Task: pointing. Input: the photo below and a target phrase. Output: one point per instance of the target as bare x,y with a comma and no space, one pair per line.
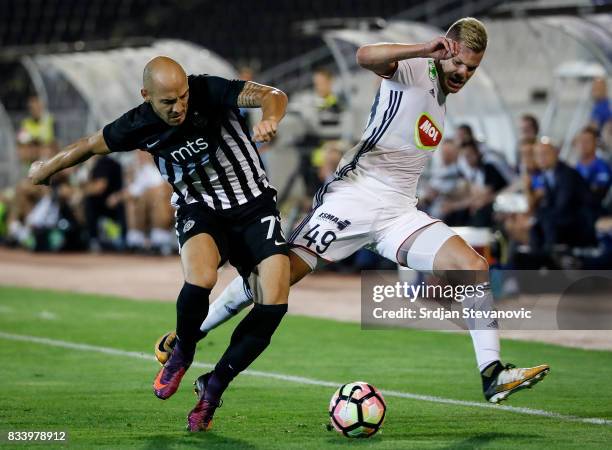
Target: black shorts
245,235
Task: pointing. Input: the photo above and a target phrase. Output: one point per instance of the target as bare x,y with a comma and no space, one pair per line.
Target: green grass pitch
106,401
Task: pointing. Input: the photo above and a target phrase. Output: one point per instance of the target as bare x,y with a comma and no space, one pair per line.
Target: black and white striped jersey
210,158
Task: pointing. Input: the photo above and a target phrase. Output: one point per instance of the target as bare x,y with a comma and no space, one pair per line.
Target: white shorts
347,216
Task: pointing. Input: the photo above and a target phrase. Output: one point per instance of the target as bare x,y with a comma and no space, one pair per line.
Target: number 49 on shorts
319,244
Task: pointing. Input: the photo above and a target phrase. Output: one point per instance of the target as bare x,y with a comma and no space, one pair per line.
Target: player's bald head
166,88
163,72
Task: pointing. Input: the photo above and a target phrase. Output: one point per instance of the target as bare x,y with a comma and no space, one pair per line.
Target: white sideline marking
311,381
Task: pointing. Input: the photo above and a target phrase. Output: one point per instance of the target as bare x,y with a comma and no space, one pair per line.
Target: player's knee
203,278
276,294
475,263
466,268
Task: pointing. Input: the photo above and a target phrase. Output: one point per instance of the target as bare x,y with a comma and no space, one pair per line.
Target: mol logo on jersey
427,134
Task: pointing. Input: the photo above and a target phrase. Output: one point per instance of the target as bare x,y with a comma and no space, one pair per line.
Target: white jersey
405,127
371,202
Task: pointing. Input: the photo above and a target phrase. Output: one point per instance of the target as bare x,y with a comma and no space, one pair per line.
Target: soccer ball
357,410
164,347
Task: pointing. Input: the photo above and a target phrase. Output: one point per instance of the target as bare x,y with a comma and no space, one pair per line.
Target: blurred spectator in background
22,202
593,169
4,202
528,128
485,181
323,115
35,132
35,140
25,198
531,181
517,223
564,213
149,214
106,225
527,168
332,155
606,140
601,113
52,223
446,184
465,136
41,218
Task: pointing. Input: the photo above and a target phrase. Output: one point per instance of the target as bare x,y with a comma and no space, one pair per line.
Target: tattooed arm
273,103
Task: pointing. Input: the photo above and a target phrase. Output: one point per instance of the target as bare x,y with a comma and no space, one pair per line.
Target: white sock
18,231
14,229
160,237
231,301
486,346
484,332
135,239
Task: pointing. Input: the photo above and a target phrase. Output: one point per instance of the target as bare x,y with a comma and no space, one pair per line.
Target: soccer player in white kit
371,202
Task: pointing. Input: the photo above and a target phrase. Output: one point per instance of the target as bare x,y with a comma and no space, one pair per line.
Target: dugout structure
86,90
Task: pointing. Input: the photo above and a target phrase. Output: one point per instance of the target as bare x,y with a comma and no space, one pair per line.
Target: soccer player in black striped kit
226,208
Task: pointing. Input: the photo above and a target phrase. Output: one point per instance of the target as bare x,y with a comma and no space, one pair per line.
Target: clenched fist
265,130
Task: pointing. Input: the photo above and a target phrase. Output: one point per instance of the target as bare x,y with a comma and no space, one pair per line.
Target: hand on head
441,48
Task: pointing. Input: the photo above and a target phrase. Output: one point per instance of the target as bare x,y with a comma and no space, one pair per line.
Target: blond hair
471,32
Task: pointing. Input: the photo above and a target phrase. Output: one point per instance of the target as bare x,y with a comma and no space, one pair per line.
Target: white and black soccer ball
357,410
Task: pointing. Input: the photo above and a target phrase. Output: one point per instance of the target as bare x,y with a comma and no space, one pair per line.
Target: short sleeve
602,176
218,91
100,169
493,178
601,112
123,134
409,71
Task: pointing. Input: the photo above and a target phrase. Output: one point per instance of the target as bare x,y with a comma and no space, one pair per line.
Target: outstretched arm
273,104
382,59
75,153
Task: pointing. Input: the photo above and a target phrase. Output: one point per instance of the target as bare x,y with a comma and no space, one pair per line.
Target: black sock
249,340
191,310
489,373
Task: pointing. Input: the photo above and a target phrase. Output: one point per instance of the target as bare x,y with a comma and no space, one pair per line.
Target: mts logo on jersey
188,150
426,133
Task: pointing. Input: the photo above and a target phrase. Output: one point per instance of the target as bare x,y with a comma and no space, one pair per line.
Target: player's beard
173,121
455,84
452,84
166,117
